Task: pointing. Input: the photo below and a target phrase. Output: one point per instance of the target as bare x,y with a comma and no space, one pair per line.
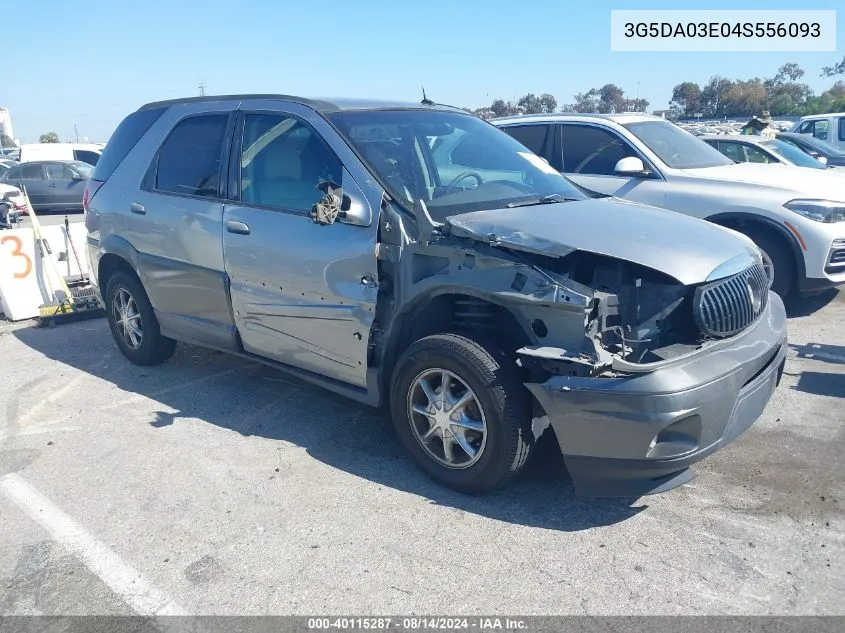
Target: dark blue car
815,147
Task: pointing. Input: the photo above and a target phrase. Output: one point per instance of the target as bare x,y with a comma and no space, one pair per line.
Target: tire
499,401
126,296
783,263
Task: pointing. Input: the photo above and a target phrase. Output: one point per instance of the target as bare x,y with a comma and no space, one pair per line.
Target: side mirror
821,159
356,208
77,176
631,166
346,204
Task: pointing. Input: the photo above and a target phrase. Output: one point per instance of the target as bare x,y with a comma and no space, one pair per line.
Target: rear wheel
461,410
133,323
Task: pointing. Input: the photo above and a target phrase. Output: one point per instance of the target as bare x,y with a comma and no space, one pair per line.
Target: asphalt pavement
48,218
214,485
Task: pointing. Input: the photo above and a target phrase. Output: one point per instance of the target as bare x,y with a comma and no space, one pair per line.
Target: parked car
51,185
827,127
84,152
796,216
821,150
11,205
334,240
756,149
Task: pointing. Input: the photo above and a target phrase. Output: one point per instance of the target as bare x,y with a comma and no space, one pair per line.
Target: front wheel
461,410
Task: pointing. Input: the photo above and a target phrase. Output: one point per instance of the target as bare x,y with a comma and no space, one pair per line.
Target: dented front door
302,293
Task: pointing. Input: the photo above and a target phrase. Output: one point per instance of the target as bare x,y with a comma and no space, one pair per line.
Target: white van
827,127
86,152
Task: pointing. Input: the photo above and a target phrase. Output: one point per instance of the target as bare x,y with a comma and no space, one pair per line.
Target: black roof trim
319,105
313,103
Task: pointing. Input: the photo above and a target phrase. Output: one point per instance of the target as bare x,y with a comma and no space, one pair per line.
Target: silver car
415,256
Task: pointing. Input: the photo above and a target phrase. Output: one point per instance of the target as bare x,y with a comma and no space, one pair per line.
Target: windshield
675,147
792,154
455,162
822,146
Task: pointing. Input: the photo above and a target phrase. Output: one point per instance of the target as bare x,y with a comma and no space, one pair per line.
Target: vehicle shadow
821,352
797,306
255,400
821,384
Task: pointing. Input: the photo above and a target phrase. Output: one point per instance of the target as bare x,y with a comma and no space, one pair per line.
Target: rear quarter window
125,137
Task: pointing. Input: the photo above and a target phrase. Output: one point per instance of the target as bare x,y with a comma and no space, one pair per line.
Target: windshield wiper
550,199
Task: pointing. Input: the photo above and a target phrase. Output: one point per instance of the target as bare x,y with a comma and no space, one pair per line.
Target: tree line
783,94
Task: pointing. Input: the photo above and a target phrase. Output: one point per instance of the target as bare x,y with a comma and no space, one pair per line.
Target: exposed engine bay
637,313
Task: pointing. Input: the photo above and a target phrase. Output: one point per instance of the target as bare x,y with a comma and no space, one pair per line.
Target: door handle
137,208
240,228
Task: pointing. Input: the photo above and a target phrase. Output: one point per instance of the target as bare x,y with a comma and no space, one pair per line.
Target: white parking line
120,577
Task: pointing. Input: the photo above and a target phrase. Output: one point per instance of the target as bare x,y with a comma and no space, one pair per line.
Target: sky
89,64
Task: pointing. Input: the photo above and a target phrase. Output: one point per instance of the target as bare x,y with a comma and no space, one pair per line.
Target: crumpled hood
680,246
812,183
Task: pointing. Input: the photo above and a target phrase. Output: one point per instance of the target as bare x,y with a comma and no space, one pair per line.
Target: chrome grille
730,305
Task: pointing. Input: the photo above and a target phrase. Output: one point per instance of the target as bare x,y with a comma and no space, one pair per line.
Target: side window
31,171
189,160
592,150
806,127
283,161
820,129
55,171
842,128
532,136
86,156
733,151
756,155
13,174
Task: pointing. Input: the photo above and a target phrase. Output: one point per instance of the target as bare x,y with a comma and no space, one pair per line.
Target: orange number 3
16,252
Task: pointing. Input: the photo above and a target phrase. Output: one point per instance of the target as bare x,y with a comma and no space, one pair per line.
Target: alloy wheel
447,418
127,318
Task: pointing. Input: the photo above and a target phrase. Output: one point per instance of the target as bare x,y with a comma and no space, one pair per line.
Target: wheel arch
743,221
115,253
437,311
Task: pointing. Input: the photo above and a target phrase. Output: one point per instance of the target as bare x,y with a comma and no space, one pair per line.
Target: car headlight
826,211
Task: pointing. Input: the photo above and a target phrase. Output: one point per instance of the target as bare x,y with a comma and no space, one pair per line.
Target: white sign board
25,281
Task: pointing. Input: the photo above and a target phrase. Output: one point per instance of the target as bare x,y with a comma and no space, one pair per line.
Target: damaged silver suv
415,256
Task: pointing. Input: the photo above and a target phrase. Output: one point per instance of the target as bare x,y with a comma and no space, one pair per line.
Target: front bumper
639,434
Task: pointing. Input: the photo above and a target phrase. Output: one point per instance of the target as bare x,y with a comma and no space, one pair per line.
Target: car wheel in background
462,411
133,323
780,260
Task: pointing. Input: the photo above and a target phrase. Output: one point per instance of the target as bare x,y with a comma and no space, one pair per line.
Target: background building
6,123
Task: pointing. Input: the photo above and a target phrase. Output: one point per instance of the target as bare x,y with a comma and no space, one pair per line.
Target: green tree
744,98
611,98
548,102
836,69
790,71
49,137
713,96
530,104
585,102
500,108
686,98
6,140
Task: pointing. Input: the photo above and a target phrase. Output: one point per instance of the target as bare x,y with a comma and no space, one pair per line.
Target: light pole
76,131
638,94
